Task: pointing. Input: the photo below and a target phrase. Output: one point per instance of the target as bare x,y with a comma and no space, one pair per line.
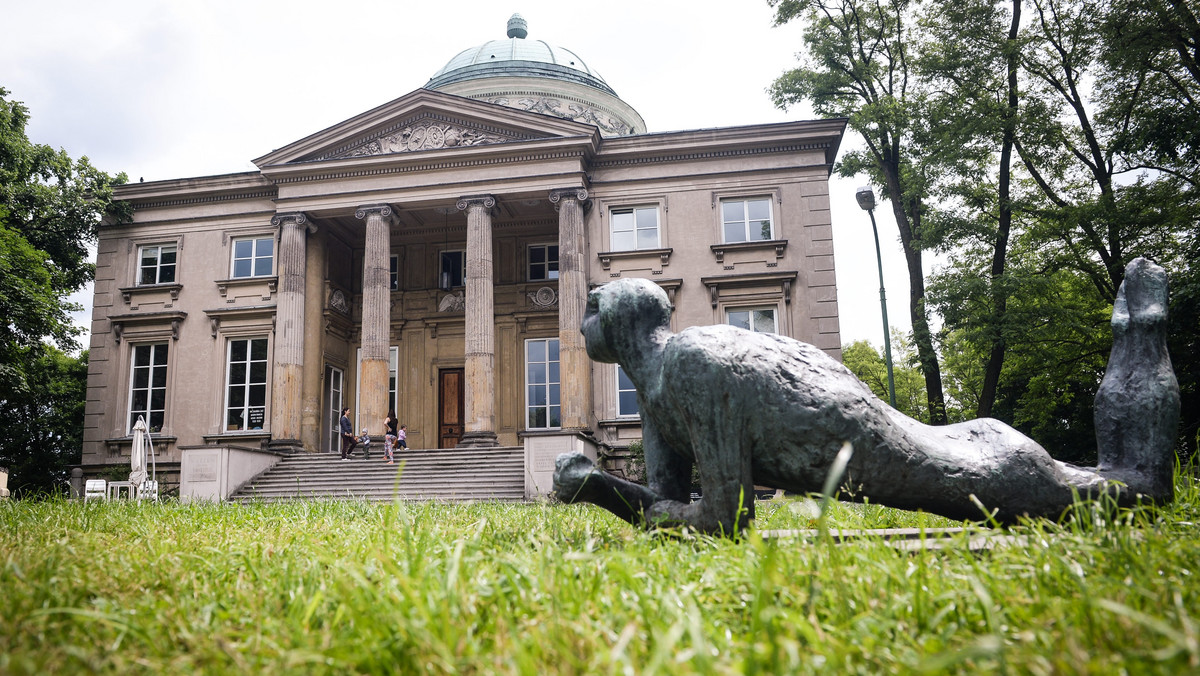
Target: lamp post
866,200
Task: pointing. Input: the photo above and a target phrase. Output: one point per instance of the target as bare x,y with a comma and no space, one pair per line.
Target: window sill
115,444
635,421
261,436
778,244
272,284
607,257
128,292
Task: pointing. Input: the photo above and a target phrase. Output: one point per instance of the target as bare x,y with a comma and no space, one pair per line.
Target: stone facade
434,254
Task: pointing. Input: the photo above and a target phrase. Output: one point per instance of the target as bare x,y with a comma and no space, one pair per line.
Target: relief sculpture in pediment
567,111
425,136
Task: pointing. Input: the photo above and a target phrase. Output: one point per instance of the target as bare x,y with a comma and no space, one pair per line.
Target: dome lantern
517,27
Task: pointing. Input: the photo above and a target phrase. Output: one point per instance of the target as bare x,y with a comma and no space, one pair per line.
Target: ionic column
575,367
287,376
376,316
479,400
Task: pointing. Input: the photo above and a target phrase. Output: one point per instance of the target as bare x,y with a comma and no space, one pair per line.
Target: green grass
346,587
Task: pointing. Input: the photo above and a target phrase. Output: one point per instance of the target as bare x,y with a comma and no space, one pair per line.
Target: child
365,440
402,437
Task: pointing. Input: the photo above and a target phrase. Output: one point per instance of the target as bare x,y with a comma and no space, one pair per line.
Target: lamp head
866,197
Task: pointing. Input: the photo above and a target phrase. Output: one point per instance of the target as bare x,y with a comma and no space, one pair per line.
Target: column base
285,446
478,440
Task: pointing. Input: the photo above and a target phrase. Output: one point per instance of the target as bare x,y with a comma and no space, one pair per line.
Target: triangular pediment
421,121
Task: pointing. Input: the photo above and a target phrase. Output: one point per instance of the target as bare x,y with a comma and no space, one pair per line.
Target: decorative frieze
566,110
424,135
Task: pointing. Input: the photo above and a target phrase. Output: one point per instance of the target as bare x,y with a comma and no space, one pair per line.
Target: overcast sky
165,90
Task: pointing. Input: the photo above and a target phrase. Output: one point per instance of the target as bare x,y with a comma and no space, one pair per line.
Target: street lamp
866,200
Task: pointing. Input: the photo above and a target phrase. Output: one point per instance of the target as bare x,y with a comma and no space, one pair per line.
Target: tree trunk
991,373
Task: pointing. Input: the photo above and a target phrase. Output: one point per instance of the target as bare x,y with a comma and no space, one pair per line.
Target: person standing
389,436
347,429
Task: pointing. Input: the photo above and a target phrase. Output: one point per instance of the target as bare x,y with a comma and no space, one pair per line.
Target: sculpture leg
577,479
1137,405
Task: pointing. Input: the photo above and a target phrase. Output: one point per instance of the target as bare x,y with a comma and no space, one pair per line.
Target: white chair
148,490
95,489
116,487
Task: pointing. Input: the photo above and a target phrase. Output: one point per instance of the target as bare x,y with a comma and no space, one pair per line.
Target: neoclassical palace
433,256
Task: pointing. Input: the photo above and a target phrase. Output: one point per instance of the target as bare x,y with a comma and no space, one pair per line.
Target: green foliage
43,423
1014,148
865,362
50,207
856,64
351,587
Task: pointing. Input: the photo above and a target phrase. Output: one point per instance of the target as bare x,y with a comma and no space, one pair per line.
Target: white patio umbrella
137,458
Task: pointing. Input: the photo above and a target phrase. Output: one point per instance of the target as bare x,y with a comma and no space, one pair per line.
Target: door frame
441,407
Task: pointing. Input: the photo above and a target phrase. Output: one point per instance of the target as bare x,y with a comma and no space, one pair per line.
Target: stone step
444,474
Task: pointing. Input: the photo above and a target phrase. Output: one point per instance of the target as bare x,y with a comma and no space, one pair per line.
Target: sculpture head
624,319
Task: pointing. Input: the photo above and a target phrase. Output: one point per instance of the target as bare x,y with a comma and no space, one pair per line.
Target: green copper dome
518,57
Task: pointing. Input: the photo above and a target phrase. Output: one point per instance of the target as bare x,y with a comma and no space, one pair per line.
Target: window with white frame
627,403
148,386
253,257
747,220
394,273
542,387
543,262
393,372
634,228
157,264
246,389
452,270
757,319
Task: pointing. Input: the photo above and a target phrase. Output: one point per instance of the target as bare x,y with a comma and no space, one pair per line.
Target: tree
857,65
970,58
50,207
865,362
43,428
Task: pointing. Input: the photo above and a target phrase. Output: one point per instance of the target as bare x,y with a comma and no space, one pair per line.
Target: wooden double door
450,407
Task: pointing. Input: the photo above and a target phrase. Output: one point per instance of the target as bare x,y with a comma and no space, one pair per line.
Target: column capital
296,218
580,194
384,210
485,201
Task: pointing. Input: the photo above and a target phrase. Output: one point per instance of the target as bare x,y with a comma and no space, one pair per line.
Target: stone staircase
440,474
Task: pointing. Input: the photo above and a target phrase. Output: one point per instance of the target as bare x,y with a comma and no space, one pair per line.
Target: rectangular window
253,257
246,394
393,402
627,403
148,386
157,264
394,273
759,320
543,262
393,369
542,388
747,220
453,270
634,228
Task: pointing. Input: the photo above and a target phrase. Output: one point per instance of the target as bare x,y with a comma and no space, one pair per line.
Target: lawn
350,587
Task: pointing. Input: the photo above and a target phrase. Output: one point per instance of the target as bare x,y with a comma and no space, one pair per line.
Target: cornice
433,160
204,199
413,105
706,154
